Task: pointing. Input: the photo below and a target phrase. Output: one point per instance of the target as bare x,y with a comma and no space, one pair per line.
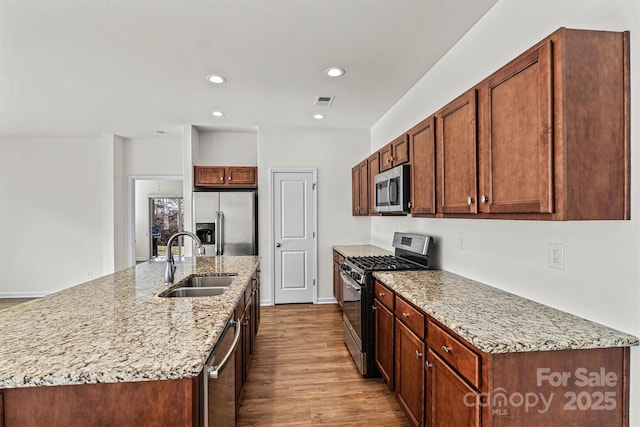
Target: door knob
278,245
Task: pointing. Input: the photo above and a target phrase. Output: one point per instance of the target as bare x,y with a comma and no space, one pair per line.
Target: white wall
52,213
227,149
332,152
601,279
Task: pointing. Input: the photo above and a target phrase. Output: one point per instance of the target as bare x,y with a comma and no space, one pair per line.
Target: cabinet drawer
384,295
410,316
461,358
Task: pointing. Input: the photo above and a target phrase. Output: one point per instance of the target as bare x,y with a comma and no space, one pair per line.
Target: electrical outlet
556,256
461,241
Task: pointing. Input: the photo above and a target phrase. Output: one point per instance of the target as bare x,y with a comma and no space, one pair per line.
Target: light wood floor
8,302
302,375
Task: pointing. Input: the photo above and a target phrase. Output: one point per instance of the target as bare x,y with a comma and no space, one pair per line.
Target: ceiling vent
324,101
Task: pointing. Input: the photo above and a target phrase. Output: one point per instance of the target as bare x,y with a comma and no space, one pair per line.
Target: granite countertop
360,250
493,320
496,321
116,329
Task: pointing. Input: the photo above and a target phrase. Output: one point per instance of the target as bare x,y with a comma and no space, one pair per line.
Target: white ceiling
130,67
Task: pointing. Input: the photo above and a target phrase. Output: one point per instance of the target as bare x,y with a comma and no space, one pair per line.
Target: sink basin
207,282
195,292
200,286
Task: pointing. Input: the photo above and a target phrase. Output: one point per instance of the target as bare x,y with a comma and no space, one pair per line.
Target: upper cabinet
516,136
546,137
226,176
456,155
394,153
423,178
360,188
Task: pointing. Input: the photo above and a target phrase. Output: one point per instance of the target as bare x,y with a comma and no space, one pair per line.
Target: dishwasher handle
214,371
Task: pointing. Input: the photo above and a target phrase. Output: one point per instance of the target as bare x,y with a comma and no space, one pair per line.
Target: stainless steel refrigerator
226,221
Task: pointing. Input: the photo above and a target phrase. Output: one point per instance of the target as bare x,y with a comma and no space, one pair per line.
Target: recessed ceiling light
318,116
159,132
214,78
334,72
218,113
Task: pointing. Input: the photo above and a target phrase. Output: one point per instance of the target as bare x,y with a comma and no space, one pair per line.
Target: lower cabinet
450,400
384,342
409,373
1,411
248,313
441,380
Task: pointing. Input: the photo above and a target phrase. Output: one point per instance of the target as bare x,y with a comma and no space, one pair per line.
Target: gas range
411,253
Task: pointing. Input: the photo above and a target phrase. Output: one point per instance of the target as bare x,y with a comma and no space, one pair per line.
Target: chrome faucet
171,267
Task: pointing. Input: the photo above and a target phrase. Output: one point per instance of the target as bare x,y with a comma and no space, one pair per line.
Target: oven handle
350,282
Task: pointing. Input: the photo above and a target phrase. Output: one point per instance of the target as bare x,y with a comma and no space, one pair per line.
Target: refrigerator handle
221,228
217,232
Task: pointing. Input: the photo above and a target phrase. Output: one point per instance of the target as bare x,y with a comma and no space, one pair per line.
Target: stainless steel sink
200,286
207,281
195,292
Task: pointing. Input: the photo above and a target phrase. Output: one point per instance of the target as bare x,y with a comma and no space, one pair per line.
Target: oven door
352,294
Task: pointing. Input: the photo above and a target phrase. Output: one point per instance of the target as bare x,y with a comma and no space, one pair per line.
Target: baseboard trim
330,300
24,294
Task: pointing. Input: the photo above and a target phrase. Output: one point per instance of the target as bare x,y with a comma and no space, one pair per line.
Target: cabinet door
208,175
355,190
400,150
423,168
409,373
456,166
516,136
384,341
337,284
1,410
244,176
239,360
386,157
246,341
450,400
374,169
256,303
364,188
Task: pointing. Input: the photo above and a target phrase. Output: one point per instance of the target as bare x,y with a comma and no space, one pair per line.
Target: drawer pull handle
427,365
380,294
446,349
418,354
405,315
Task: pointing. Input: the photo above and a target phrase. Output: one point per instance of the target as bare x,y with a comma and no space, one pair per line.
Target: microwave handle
389,192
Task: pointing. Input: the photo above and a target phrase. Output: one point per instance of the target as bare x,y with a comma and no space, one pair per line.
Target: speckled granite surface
496,321
116,328
360,250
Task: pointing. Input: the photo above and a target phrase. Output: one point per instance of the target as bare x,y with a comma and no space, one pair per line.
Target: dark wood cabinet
395,153
360,188
552,135
373,163
423,171
409,372
457,156
1,410
450,400
337,281
516,137
226,176
248,313
384,342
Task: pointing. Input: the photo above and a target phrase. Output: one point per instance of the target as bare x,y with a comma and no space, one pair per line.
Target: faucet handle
201,250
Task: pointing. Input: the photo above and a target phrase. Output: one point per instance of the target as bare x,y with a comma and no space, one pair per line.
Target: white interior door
293,215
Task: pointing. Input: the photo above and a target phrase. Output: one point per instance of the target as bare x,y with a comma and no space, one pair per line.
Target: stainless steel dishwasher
218,380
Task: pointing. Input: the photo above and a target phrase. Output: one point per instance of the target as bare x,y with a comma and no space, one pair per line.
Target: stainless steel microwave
392,190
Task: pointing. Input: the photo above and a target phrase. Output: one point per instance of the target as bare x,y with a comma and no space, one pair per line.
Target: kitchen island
113,342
